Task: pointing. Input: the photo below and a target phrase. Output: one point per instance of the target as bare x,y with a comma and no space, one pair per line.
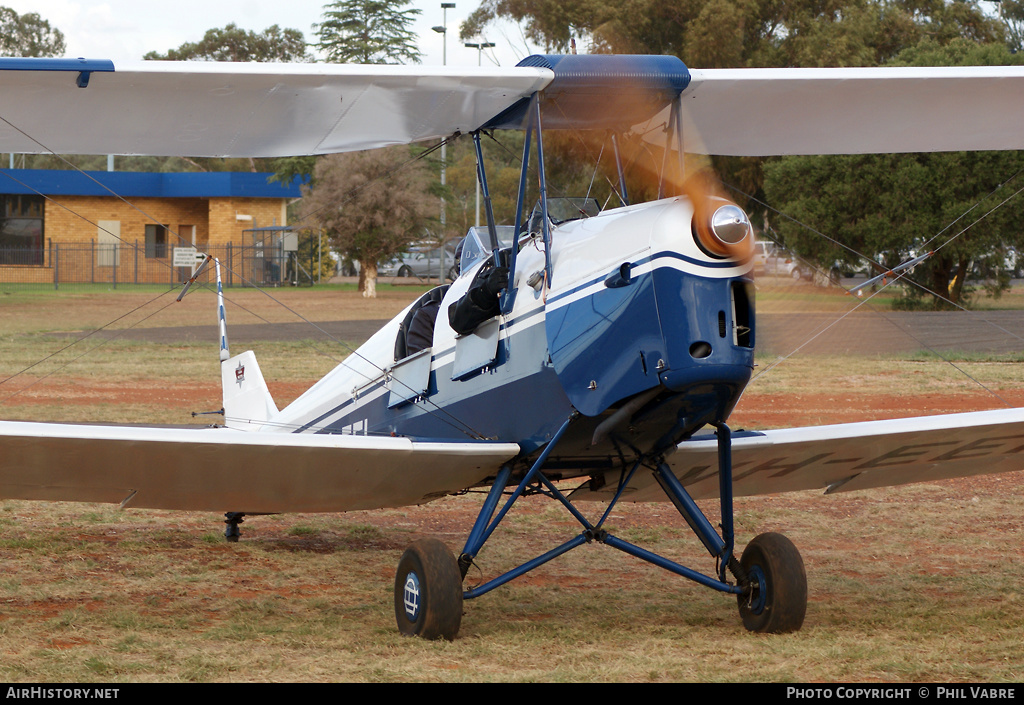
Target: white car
422,263
770,260
762,251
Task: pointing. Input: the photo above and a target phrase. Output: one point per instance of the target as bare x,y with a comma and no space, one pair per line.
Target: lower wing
846,457
219,469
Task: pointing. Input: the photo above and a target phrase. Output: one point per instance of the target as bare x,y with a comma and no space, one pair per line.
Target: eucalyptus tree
372,205
232,43
28,35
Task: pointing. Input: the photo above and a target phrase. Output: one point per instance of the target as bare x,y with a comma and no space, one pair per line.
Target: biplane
581,354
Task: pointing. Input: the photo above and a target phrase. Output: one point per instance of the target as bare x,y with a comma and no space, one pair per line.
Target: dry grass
913,584
92,594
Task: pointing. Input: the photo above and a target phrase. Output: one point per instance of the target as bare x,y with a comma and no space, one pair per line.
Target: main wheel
405,271
428,591
777,601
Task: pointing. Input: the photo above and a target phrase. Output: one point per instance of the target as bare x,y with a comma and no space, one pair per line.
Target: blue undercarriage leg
720,547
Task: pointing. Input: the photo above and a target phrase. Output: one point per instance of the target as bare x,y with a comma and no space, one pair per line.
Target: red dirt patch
759,411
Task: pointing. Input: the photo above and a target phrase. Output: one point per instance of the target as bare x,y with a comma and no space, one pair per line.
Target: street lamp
442,29
479,49
479,55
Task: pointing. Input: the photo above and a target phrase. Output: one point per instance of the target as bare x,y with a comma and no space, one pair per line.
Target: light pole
442,29
479,49
479,55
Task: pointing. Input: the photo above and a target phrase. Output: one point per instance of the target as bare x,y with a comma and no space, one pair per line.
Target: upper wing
233,109
846,457
226,470
759,112
224,109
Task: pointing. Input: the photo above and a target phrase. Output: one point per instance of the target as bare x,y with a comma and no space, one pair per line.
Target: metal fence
66,264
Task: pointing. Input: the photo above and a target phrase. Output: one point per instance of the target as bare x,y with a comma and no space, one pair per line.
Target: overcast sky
124,30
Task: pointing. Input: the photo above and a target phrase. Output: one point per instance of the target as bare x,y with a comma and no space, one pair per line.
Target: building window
156,241
21,229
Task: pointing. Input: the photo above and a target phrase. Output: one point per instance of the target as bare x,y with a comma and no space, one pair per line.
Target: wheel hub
757,597
412,597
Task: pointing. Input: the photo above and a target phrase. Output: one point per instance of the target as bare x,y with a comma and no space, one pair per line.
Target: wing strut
481,180
542,177
506,303
624,194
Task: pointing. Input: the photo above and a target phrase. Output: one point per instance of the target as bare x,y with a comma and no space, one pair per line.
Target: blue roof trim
600,91
136,184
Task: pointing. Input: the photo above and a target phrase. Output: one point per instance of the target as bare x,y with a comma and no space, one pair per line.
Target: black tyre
777,601
428,591
405,271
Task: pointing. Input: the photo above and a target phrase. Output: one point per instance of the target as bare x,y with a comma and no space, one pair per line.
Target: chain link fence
63,265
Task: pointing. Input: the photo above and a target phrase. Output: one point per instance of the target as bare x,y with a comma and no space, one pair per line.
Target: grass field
911,584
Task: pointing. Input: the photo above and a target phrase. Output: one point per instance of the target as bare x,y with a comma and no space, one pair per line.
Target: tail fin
247,401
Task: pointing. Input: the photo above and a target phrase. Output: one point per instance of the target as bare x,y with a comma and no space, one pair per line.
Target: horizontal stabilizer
845,457
220,469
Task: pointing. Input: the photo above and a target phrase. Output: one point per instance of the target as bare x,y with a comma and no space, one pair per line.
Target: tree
368,32
742,33
232,43
894,206
1012,14
364,212
28,35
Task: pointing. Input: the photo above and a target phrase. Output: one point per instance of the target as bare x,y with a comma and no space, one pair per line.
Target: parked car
771,260
782,264
421,263
762,251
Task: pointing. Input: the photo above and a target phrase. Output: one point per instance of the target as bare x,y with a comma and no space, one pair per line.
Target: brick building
124,226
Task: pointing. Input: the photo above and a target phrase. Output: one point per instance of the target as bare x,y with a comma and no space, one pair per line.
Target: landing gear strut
769,580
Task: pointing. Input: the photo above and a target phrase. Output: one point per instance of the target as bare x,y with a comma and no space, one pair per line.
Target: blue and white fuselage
637,317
